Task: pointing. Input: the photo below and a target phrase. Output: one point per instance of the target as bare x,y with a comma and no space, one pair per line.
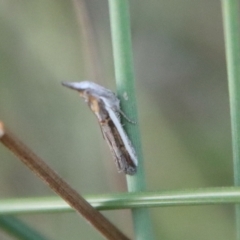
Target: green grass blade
125,81
232,39
18,229
185,197
122,51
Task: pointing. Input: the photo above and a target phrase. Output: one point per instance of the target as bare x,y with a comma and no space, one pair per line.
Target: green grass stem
232,40
122,51
18,229
136,200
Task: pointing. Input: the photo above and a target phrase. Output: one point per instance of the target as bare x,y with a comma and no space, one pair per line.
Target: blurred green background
181,86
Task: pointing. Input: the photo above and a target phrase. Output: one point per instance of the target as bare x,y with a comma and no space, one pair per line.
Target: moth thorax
94,104
84,94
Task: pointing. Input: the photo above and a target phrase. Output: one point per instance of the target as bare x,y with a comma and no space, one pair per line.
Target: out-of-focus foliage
183,104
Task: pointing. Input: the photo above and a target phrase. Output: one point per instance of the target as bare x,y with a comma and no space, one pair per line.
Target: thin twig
57,184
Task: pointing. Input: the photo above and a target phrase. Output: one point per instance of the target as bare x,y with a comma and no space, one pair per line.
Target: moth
106,106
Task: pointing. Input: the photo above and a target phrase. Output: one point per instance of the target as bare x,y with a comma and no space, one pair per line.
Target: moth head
81,87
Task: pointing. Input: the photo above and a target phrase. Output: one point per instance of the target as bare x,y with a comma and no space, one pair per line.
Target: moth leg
100,124
126,117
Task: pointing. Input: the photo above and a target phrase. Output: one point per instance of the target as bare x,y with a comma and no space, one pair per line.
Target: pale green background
183,103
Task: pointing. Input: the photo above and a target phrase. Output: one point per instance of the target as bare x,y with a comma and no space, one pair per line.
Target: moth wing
110,123
111,143
122,158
